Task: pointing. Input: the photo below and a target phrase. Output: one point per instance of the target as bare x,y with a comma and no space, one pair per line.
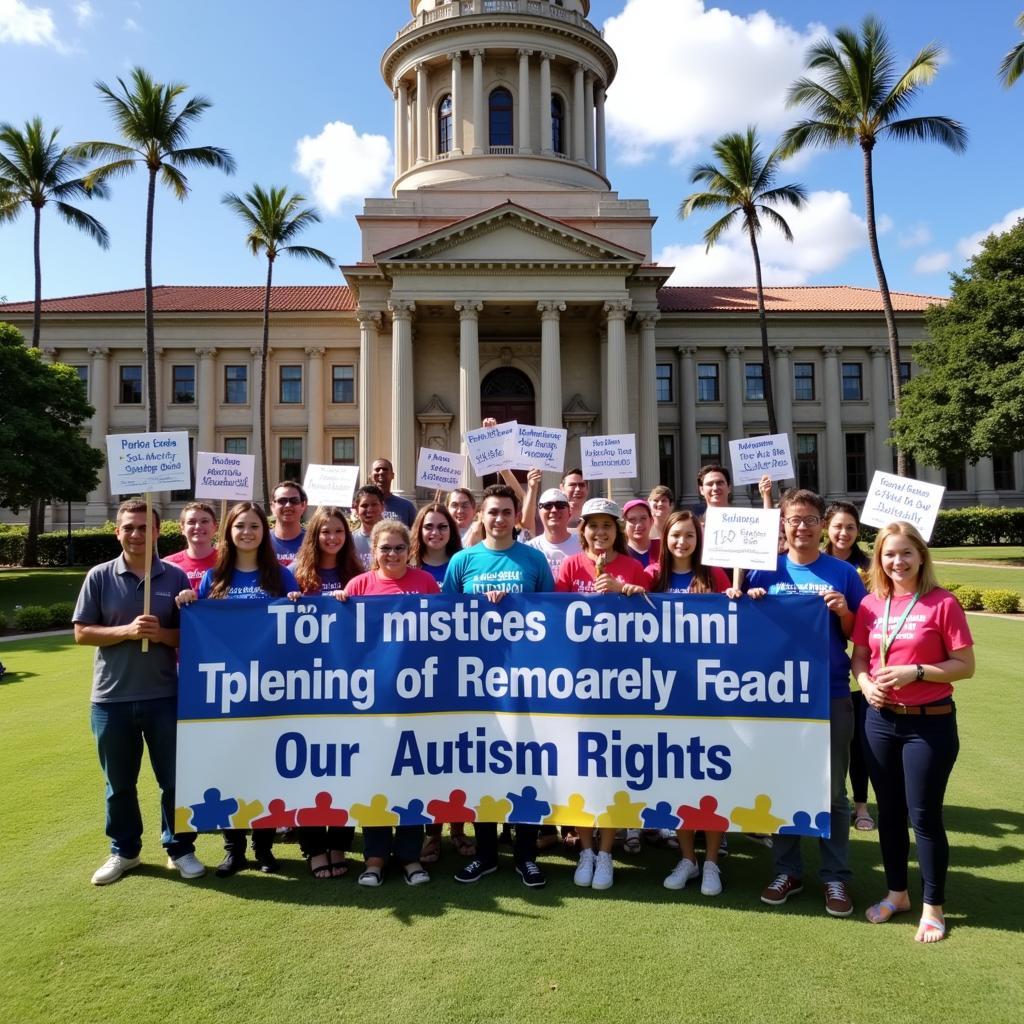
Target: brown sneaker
837,899
780,889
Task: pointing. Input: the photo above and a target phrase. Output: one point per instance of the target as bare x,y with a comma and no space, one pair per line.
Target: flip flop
883,911
864,823
415,875
931,924
431,850
371,877
339,868
321,871
464,846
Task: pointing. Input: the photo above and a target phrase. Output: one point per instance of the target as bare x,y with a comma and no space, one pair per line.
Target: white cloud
915,236
688,73
20,23
932,262
971,244
884,224
131,25
84,12
825,232
343,165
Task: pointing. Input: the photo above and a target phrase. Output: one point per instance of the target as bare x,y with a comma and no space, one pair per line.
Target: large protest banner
697,712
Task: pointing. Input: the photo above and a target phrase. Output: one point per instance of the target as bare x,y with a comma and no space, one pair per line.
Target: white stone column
469,377
315,405
880,407
835,453
479,113
985,482
99,398
456,57
647,439
783,385
422,131
403,413
546,144
524,101
733,395
602,339
206,399
688,419
369,326
588,122
401,128
618,403
550,363
602,156
578,116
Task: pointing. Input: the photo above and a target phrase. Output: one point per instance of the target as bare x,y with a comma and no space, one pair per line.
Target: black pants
316,840
858,762
262,840
909,760
404,842
524,848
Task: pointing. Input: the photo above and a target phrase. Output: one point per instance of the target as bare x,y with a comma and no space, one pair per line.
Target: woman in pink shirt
198,524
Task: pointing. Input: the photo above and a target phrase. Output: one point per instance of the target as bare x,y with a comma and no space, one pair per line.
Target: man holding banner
134,691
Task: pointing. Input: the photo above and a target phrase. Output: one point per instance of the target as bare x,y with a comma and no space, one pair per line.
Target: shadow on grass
10,677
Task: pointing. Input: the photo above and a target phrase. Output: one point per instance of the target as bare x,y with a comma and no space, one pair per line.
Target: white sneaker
585,869
604,873
188,865
711,880
113,868
681,874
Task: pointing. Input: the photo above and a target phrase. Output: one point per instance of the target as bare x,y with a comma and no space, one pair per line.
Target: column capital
617,309
402,309
257,350
783,350
832,350
478,52
369,316
546,55
880,351
523,52
468,309
206,352
550,309
159,350
315,351
99,353
734,351
686,351
648,319
422,66
581,69
400,86
455,56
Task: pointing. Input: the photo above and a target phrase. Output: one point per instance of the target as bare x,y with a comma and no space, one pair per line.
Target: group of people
910,643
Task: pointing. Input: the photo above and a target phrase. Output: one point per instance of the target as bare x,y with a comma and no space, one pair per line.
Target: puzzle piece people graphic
376,813
572,813
247,810
660,816
704,816
802,825
758,818
490,809
622,813
452,809
322,813
214,812
277,816
526,808
413,814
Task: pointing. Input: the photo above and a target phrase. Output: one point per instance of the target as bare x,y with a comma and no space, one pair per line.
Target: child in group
435,538
198,524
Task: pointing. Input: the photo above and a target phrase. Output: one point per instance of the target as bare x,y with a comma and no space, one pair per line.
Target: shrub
3,621
953,588
1004,602
32,617
60,614
957,527
970,598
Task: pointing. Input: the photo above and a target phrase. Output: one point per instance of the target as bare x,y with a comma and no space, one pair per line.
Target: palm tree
858,97
34,171
155,131
1012,66
273,219
742,185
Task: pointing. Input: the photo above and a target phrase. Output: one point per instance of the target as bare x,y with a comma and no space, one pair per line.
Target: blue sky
283,73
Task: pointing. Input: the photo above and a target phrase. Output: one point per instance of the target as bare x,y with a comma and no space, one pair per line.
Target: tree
1012,66
968,400
273,218
155,131
42,452
857,98
741,184
34,171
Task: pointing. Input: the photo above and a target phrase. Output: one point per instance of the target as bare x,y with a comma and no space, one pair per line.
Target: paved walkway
22,636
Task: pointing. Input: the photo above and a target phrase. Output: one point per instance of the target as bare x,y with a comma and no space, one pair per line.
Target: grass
1008,555
38,586
982,578
289,948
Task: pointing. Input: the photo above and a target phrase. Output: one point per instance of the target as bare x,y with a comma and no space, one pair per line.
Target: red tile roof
171,298
803,299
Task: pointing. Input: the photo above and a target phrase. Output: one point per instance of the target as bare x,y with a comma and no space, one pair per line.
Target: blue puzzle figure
526,808
802,825
659,816
413,814
214,812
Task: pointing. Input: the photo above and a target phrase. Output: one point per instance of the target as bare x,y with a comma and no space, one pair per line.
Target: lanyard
887,637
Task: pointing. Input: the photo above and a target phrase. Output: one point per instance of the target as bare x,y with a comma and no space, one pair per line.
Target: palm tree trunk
36,511
766,365
151,395
883,288
37,305
264,352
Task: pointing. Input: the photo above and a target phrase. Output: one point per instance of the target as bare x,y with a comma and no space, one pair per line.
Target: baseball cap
553,496
635,503
600,507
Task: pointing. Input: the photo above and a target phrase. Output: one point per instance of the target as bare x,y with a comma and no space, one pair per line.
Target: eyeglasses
288,501
398,549
549,505
805,520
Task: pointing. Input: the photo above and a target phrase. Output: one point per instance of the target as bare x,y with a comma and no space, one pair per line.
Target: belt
920,709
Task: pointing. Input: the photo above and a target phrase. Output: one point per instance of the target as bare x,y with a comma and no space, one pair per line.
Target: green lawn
291,949
1010,554
38,586
994,577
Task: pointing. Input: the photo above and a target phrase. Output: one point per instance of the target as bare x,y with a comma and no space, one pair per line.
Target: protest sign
537,447
330,485
488,449
892,497
440,471
143,463
752,457
693,712
223,476
741,538
612,457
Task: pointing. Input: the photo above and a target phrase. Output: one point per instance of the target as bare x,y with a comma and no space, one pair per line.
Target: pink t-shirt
415,581
194,567
577,574
936,626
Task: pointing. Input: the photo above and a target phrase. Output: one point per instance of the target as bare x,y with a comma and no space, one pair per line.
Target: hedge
88,547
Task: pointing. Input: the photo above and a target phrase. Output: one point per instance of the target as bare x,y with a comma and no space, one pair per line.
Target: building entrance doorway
507,394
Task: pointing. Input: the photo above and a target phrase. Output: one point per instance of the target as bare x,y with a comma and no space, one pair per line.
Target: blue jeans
120,729
835,865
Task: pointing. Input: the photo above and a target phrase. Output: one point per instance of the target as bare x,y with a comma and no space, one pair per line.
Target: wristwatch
920,673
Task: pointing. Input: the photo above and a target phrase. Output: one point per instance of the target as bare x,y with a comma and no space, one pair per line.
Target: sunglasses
549,505
287,501
398,549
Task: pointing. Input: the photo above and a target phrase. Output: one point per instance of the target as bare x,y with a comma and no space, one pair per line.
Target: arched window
444,125
500,121
557,122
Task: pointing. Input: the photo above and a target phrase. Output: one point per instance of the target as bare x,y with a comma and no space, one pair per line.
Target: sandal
864,823
464,846
883,910
371,877
632,844
320,871
932,927
339,868
415,875
570,838
430,852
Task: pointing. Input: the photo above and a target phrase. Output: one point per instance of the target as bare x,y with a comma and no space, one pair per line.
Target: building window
130,391
853,382
500,118
904,377
444,125
710,449
803,382
185,494
707,382
753,389
956,476
663,382
667,461
1002,472
291,386
236,385
557,124
183,384
856,463
235,446
343,451
807,461
83,376
291,458
343,384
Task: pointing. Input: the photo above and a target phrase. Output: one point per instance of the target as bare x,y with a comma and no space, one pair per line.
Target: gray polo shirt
112,595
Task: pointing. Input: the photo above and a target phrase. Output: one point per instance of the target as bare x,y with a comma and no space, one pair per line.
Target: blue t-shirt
519,569
437,571
824,573
402,509
245,586
286,550
330,580
679,582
